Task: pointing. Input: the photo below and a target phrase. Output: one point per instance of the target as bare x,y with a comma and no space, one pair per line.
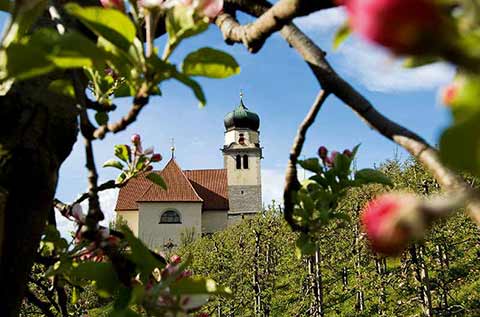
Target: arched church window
245,161
170,216
239,162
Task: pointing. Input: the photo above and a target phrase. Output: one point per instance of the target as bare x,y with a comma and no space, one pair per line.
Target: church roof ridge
177,183
205,169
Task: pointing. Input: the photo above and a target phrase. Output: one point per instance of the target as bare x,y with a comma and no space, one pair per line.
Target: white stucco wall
154,234
213,221
232,136
131,217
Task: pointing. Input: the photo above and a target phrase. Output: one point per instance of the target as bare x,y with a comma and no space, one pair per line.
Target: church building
199,201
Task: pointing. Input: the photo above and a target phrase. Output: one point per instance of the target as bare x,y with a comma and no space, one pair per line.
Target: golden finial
172,147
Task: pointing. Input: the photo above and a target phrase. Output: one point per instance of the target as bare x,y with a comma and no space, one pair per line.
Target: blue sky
280,88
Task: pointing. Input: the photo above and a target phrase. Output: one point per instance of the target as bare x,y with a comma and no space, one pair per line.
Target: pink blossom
115,4
403,26
175,259
78,214
209,8
382,222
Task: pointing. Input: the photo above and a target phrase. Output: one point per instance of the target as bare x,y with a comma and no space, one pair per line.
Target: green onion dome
241,117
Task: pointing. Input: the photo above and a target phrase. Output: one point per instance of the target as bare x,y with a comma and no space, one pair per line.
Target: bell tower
242,155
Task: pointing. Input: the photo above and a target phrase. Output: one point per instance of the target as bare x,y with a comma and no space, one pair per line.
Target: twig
43,306
62,297
95,214
140,101
254,35
48,293
291,180
105,186
332,82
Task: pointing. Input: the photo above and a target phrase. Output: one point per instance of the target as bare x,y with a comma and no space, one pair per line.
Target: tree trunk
421,274
358,269
256,276
37,133
316,280
381,266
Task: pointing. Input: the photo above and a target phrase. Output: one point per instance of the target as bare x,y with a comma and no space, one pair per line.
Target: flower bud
135,139
403,26
449,94
157,157
347,153
149,168
322,152
391,221
115,4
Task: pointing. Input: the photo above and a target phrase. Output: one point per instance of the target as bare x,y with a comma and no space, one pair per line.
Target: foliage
257,259
318,199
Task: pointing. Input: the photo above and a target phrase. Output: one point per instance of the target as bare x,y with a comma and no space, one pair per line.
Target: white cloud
322,21
372,66
377,70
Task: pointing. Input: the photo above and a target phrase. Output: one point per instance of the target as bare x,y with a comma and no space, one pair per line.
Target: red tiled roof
207,186
130,193
178,187
212,186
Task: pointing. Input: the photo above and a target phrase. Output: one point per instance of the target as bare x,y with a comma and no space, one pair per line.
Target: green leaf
74,299
419,60
17,62
181,23
101,117
52,235
304,246
121,178
311,164
197,89
104,275
196,285
157,179
122,152
111,24
460,145
341,35
372,176
62,87
113,163
211,63
25,14
51,50
464,103
141,255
